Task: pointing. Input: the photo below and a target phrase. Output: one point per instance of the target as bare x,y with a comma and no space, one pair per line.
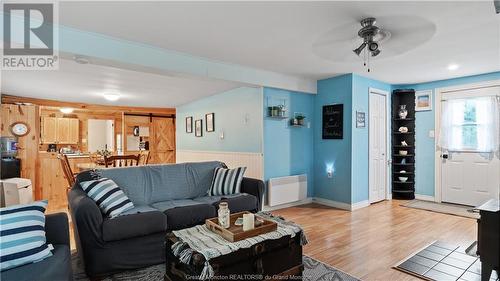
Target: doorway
468,143
377,145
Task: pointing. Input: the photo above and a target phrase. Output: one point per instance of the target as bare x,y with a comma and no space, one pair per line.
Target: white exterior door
470,171
377,147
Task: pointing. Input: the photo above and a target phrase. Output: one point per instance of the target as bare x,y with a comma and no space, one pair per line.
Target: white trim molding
438,93
331,203
308,200
424,197
254,161
321,201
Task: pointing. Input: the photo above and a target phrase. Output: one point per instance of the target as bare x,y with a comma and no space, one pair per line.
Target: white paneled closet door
377,147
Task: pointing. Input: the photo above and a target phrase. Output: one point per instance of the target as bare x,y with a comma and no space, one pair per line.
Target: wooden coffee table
272,259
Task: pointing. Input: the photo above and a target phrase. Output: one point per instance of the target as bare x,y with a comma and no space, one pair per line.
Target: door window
470,124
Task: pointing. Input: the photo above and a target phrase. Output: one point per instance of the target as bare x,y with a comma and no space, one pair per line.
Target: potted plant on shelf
298,120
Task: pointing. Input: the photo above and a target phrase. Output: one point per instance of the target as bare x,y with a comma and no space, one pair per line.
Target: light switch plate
431,133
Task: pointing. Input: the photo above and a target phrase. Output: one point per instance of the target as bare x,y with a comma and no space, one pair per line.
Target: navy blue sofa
166,197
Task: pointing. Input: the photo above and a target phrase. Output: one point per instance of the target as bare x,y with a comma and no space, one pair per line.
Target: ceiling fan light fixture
373,46
375,53
358,50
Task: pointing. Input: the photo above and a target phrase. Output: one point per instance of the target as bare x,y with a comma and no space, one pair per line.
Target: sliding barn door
162,143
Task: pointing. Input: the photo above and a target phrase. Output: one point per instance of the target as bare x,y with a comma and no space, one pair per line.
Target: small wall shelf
277,117
406,189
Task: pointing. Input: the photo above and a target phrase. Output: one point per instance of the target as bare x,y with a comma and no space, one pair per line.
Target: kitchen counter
70,156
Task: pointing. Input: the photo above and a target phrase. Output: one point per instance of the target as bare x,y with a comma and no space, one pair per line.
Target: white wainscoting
253,161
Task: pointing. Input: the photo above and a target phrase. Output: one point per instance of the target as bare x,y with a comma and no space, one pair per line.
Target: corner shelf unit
403,190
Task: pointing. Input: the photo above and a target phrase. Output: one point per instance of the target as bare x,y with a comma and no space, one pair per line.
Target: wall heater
286,190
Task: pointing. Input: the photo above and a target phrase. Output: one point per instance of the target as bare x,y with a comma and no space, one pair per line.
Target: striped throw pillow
22,235
108,196
226,181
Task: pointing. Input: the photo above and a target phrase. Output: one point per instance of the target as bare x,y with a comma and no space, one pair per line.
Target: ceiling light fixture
66,110
112,96
371,35
453,66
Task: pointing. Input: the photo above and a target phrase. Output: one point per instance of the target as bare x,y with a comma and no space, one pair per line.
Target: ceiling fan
371,35
383,37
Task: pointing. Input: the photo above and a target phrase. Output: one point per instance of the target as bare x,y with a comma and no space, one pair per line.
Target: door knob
445,156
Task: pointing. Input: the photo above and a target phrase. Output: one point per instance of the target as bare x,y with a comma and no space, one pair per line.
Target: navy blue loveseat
166,197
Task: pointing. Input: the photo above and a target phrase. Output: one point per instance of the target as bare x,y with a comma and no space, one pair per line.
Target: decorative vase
224,215
402,112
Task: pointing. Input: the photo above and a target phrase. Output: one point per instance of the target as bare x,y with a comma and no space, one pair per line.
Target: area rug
442,261
445,208
314,270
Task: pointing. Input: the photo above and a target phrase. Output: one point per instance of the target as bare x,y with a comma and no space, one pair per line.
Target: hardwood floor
366,243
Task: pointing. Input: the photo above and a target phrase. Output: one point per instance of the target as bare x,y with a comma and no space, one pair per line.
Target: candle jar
224,214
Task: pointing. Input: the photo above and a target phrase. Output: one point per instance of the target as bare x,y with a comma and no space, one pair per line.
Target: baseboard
308,200
425,197
321,201
359,205
331,203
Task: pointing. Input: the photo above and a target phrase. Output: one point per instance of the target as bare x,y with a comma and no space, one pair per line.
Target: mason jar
224,215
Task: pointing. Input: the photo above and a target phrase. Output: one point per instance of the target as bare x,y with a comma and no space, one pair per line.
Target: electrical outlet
329,174
431,133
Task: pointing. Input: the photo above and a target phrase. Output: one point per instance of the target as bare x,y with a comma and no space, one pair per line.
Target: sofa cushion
226,181
108,196
185,213
23,235
133,225
236,202
56,267
157,183
138,210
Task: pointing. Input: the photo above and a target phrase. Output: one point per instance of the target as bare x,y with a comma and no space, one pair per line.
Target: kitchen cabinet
60,130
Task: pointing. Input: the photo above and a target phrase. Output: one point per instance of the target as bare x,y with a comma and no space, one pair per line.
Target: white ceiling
280,36
88,82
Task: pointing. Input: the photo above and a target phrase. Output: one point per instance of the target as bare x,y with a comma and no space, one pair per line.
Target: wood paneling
367,242
86,106
162,141
52,181
253,161
28,145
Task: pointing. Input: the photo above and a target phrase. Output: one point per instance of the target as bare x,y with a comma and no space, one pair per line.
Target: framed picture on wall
198,128
189,124
360,119
423,100
210,122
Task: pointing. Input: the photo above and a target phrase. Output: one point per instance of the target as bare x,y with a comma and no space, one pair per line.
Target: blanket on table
211,245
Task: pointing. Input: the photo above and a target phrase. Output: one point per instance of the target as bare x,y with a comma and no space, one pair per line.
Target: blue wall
335,153
360,137
424,147
288,150
238,113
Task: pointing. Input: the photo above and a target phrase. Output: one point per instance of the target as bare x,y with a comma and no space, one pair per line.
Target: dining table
82,167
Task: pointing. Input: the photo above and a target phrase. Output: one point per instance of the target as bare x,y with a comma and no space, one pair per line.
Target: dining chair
122,160
144,157
66,167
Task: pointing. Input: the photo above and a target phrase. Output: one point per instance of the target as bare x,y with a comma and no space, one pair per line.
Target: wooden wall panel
28,145
253,161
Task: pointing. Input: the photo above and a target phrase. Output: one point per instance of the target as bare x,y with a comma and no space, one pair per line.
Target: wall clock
19,129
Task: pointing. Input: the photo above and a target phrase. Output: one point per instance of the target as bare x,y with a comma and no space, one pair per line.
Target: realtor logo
28,36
